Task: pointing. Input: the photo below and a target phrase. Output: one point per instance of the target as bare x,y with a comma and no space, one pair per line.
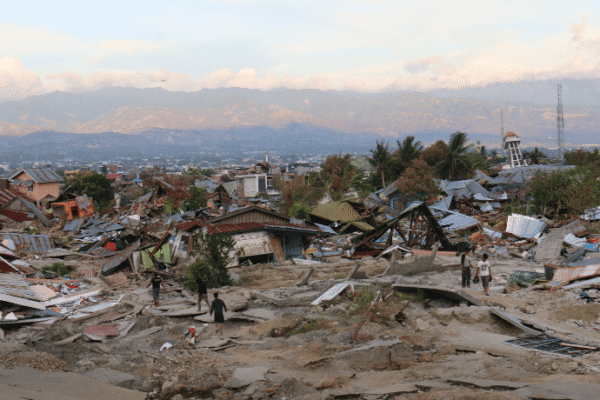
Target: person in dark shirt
156,283
217,307
202,293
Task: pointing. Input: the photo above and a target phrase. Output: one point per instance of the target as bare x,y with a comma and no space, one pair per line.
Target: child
486,274
218,306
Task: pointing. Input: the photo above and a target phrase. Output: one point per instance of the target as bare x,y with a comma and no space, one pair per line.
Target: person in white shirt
486,274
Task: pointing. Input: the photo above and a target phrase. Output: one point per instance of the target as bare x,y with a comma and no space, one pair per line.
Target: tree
434,154
417,180
94,185
214,254
297,191
408,151
456,163
381,159
300,211
567,192
197,198
337,172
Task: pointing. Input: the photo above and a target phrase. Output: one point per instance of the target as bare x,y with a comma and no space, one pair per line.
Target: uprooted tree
214,254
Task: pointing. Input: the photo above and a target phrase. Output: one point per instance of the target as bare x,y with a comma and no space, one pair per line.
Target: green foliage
456,163
59,269
96,186
168,205
363,298
300,211
408,151
211,265
566,192
197,198
381,159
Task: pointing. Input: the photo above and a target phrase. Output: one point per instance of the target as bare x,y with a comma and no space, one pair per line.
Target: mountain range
286,117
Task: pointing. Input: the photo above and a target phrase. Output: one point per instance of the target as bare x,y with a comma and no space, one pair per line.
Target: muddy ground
412,345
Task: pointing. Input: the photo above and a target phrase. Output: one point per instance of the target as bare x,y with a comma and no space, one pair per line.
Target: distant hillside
254,112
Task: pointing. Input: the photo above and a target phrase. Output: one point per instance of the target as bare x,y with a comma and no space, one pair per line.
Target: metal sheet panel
523,226
30,243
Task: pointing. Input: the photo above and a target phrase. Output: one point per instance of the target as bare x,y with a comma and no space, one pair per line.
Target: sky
362,46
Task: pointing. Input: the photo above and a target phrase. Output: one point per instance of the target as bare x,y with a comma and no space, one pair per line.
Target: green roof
363,226
340,211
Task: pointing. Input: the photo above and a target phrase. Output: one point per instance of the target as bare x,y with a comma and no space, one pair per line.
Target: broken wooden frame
423,226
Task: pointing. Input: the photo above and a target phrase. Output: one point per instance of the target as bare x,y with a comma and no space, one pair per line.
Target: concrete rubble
364,304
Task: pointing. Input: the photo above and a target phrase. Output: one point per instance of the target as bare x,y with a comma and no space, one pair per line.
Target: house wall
253,216
64,208
39,190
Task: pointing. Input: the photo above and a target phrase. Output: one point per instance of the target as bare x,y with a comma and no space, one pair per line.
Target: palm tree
456,163
408,151
381,158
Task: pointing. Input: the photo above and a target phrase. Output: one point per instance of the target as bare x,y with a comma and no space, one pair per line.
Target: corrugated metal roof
524,226
525,174
464,189
15,285
95,227
456,221
213,229
443,204
113,262
74,225
40,175
340,211
30,243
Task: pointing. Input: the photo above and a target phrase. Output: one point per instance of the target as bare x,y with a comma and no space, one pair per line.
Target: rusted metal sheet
277,249
30,243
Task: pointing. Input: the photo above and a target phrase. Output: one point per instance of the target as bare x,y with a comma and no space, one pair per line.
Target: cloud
18,40
578,28
16,82
421,64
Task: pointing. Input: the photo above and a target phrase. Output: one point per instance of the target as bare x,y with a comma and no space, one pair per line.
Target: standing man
156,283
486,274
217,307
202,293
465,261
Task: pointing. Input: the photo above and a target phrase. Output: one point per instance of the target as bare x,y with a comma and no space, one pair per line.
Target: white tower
511,144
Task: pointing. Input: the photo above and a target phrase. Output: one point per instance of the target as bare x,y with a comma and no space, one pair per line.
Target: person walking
486,274
156,283
202,293
217,307
465,261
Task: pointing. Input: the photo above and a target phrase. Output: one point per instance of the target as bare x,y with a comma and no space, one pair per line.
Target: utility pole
501,130
560,122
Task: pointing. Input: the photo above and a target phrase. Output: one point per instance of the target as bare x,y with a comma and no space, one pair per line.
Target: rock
554,366
86,363
177,397
244,376
167,385
421,325
234,277
1,334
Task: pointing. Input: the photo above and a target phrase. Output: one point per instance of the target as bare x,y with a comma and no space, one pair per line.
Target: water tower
511,145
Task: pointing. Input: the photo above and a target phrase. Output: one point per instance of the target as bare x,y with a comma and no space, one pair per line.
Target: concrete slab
487,384
491,343
398,388
457,296
185,312
245,376
560,389
260,313
111,376
61,385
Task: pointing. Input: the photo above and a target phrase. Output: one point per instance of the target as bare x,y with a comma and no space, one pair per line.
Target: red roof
16,215
6,195
243,226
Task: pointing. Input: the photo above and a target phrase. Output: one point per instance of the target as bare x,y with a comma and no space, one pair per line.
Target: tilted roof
341,211
40,175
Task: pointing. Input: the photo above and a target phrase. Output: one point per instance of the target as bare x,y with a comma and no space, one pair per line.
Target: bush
300,211
211,265
59,269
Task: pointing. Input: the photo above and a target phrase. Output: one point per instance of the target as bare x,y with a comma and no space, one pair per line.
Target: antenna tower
560,122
